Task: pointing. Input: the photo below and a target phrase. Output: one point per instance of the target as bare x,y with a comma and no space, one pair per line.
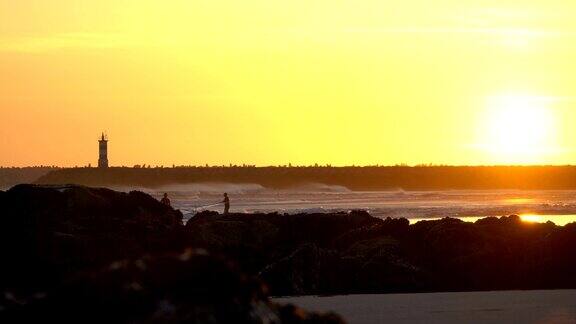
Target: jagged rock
380,267
53,240
394,227
291,230
46,233
193,287
354,252
304,271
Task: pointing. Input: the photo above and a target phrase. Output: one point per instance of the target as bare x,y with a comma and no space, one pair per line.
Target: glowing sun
532,218
519,129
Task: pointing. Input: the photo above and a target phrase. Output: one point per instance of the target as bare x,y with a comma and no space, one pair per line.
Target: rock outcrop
92,255
353,252
190,287
47,233
59,241
312,253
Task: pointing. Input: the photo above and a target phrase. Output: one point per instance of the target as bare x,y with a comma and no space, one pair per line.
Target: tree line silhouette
352,177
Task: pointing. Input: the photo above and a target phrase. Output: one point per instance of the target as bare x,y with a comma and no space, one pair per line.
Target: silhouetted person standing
165,200
226,202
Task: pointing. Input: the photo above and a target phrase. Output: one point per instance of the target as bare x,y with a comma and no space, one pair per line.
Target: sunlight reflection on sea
558,206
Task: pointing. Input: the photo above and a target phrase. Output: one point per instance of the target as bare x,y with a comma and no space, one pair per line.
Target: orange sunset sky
275,82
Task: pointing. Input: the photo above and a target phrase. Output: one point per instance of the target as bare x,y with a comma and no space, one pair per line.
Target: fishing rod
195,209
206,206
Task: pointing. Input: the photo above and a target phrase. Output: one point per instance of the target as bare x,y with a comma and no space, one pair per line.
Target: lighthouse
103,149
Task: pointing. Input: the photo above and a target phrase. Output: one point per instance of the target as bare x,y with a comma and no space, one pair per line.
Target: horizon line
318,165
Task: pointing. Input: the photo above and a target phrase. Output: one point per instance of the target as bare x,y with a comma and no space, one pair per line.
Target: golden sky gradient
301,81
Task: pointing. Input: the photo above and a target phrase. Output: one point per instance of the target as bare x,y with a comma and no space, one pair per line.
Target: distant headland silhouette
353,178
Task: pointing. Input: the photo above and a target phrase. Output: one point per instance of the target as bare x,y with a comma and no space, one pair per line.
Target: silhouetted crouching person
165,200
226,203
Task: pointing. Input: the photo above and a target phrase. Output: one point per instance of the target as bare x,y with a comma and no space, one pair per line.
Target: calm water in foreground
538,307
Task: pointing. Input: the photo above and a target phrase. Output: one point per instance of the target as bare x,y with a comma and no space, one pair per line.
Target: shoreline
534,306
68,231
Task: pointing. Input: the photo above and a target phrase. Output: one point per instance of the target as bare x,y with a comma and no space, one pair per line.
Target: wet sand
537,306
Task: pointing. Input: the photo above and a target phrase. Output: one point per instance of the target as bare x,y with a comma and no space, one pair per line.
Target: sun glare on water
519,129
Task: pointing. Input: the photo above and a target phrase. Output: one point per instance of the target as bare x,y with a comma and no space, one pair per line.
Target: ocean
558,206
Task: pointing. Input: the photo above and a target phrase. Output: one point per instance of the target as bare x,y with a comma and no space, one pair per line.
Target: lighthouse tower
103,157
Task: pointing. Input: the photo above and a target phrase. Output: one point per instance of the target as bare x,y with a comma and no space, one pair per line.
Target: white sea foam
393,203
315,187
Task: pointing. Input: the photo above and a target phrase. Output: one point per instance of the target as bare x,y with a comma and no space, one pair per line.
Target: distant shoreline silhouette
353,178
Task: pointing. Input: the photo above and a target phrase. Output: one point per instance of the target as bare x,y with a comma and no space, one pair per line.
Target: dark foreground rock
57,244
191,287
47,233
353,252
79,254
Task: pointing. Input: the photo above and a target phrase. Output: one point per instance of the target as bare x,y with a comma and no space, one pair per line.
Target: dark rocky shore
87,255
84,254
346,253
